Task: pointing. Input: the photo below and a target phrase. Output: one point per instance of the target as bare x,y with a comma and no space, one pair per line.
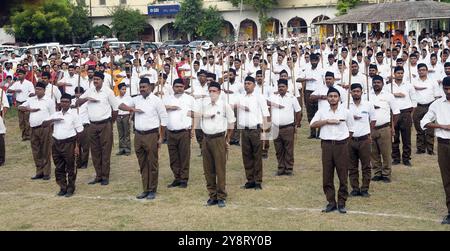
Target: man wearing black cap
405,96
54,94
40,108
438,118
356,77
149,116
363,113
336,126
23,90
320,94
67,128
179,132
286,115
384,103
102,109
199,90
123,122
216,121
427,91
253,115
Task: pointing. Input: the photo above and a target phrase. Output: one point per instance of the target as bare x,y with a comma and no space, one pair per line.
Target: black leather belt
360,138
85,125
178,131
123,116
154,130
443,141
285,126
211,136
101,121
382,126
68,140
335,142
424,105
406,110
252,128
36,127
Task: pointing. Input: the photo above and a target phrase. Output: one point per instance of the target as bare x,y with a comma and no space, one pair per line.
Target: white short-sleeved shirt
26,88
224,115
100,110
46,106
258,109
366,113
438,111
335,132
179,119
284,116
154,113
383,103
68,127
5,103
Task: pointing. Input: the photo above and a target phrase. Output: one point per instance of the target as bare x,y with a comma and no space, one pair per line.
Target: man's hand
399,95
34,109
356,117
76,151
445,127
243,107
135,110
160,141
172,108
18,90
332,121
419,88
91,99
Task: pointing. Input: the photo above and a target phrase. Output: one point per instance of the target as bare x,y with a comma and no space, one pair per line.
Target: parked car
203,43
137,44
118,44
177,44
96,43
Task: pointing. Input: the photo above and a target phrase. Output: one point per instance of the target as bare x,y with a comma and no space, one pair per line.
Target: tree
42,21
101,31
211,24
127,23
261,6
80,23
189,17
344,5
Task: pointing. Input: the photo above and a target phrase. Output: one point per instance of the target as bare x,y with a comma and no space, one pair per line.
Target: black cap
422,65
66,96
41,84
211,75
214,84
249,78
398,68
373,66
121,85
99,75
259,72
282,82
144,81
446,82
283,71
377,77
79,89
332,89
329,74
178,81
355,85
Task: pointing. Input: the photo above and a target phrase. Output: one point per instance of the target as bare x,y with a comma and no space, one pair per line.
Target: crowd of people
361,100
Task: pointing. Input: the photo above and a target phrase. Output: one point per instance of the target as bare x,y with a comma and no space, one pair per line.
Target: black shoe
93,182
68,194
151,196
174,183
280,173
265,156
289,173
248,185
329,208
396,162
120,153
312,137
430,153
142,196
365,194
61,193
342,209
46,178
407,163
377,178
420,152
258,187
183,184
386,179
127,153
211,202
37,177
355,193
221,203
104,182
446,220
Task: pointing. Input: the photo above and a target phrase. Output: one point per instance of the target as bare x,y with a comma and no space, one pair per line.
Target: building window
102,2
123,1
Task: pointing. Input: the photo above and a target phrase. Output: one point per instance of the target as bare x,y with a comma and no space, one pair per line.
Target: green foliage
127,23
344,5
80,23
101,30
211,24
189,17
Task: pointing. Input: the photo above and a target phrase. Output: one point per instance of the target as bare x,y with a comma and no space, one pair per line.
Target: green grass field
413,201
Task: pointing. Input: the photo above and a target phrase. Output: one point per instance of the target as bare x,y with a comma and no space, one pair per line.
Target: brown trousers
251,155
123,128
214,163
335,157
179,145
359,151
40,147
146,148
424,138
444,165
63,152
236,135
403,130
265,148
199,137
2,149
311,109
381,152
284,147
83,147
101,141
24,124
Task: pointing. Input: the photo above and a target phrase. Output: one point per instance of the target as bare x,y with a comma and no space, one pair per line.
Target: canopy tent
393,12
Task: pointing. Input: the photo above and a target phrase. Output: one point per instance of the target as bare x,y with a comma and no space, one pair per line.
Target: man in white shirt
69,82
4,105
216,121
83,140
150,117
123,122
405,96
253,115
232,89
51,91
286,115
438,118
180,130
336,126
40,108
427,91
320,94
384,103
363,113
102,109
23,89
66,129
